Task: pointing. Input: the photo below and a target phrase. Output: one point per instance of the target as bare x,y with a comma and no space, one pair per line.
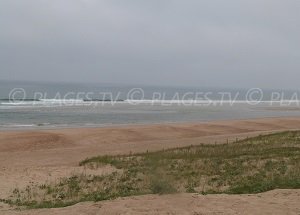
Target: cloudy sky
233,43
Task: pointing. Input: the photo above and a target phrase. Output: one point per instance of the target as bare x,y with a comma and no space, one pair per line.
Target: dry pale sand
272,203
39,156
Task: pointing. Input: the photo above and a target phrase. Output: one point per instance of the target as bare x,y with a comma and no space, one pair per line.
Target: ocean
30,105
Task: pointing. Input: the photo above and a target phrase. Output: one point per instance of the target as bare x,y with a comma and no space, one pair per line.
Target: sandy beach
36,156
149,107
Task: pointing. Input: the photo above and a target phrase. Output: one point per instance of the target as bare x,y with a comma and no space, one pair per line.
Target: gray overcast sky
233,43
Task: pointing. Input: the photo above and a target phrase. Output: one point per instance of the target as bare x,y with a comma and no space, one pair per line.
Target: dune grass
252,165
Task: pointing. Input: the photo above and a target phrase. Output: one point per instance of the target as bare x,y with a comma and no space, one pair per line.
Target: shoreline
101,126
152,131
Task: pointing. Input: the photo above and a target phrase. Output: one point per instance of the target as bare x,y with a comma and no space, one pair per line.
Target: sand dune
37,156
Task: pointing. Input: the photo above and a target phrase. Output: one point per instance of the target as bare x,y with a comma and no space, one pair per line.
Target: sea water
56,105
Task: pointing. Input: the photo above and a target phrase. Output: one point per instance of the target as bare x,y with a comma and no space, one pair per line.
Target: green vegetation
253,165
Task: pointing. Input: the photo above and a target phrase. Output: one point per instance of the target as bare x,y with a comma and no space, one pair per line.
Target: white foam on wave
18,125
80,102
42,102
60,100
